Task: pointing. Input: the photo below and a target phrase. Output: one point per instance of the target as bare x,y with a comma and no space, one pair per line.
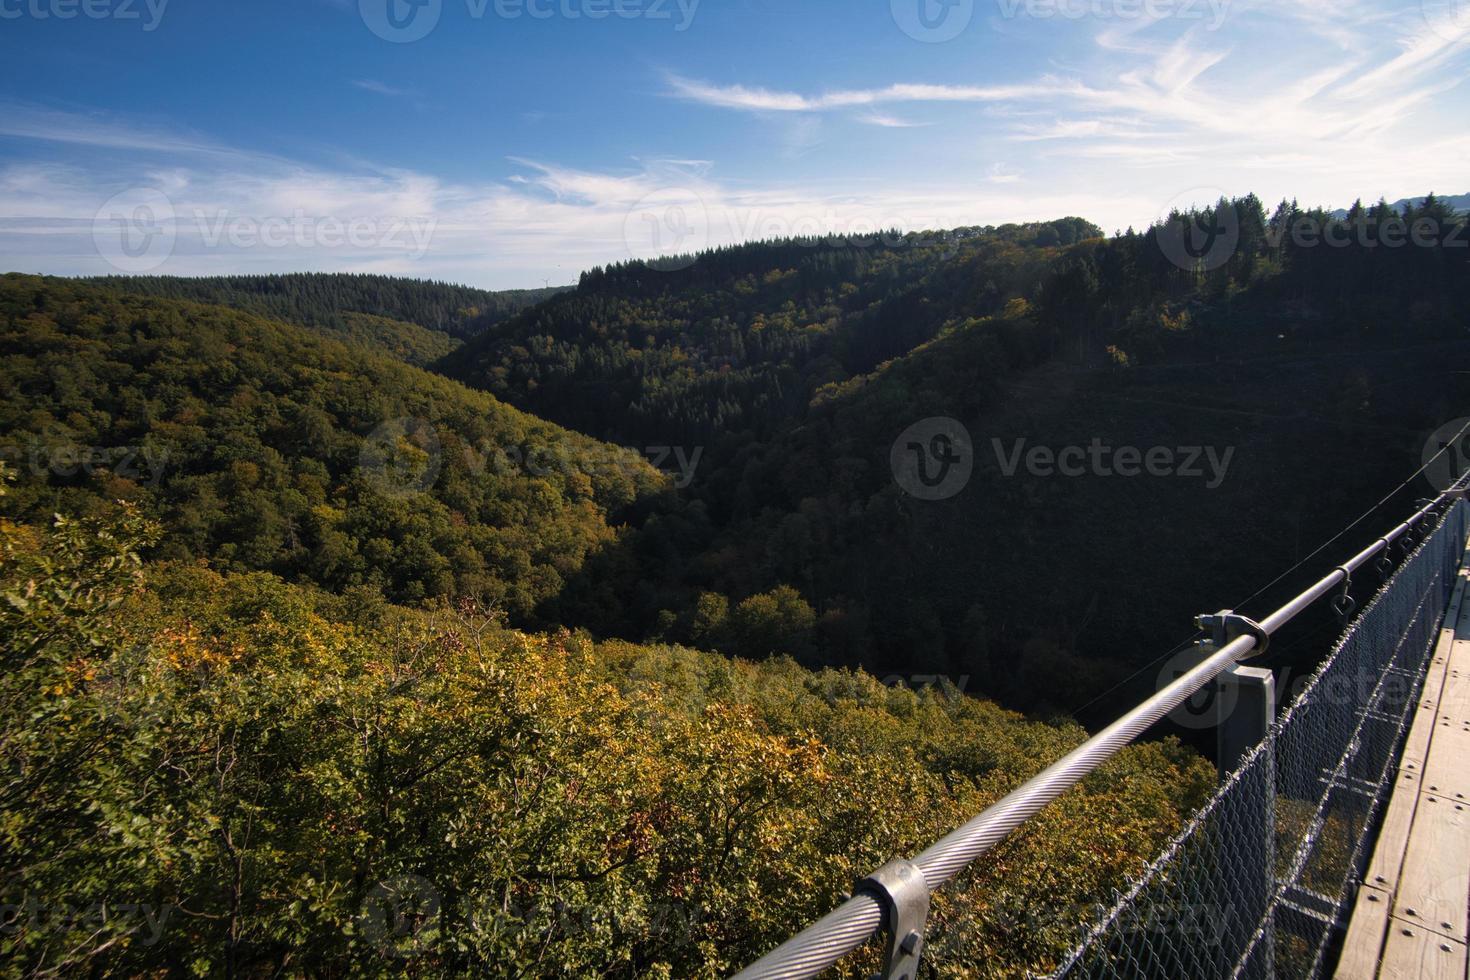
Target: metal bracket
1385,559
1344,604
899,887
1225,626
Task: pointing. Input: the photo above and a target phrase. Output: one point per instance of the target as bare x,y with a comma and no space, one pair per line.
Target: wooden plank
1363,946
1411,875
1413,953
1454,702
1447,770
1453,613
1393,839
1434,887
1416,748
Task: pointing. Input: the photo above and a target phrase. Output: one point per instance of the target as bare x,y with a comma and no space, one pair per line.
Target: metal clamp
1344,603
1225,626
899,886
1385,561
1406,540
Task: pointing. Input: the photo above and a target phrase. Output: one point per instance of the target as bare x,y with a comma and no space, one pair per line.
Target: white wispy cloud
378,88
32,122
1365,104
766,100
888,122
547,221
1184,87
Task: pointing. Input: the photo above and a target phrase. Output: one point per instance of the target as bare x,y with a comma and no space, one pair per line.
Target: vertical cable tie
1344,603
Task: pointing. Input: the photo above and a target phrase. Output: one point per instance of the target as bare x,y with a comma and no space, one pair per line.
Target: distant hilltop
1460,203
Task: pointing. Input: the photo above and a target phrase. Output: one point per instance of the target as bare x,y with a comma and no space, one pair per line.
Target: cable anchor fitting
1344,603
900,888
1406,540
1225,626
1385,560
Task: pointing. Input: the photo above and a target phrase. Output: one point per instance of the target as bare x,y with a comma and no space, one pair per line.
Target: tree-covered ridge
418,319
205,774
408,342
261,445
1290,353
724,350
1375,273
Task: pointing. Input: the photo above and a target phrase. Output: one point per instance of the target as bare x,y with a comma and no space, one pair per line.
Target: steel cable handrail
850,925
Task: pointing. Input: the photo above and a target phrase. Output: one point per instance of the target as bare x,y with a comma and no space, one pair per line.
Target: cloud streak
545,221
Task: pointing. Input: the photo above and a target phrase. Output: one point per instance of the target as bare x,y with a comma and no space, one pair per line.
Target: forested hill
264,762
1315,375
782,375
327,741
263,445
724,350
416,320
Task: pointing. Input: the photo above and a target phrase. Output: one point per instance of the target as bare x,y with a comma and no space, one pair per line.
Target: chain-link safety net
1260,883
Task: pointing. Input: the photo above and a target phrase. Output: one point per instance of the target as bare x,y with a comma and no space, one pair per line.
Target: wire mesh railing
1257,884
1271,862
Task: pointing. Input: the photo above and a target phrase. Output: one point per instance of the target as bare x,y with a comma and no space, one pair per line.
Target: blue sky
514,142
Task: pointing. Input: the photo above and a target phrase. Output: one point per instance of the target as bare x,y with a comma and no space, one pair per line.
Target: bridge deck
1411,918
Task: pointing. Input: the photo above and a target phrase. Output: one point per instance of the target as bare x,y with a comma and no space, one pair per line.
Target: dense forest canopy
328,594
417,321
1286,338
265,446
726,350
320,297
209,774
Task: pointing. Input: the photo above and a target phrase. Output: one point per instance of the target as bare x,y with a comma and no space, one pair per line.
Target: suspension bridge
1337,842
